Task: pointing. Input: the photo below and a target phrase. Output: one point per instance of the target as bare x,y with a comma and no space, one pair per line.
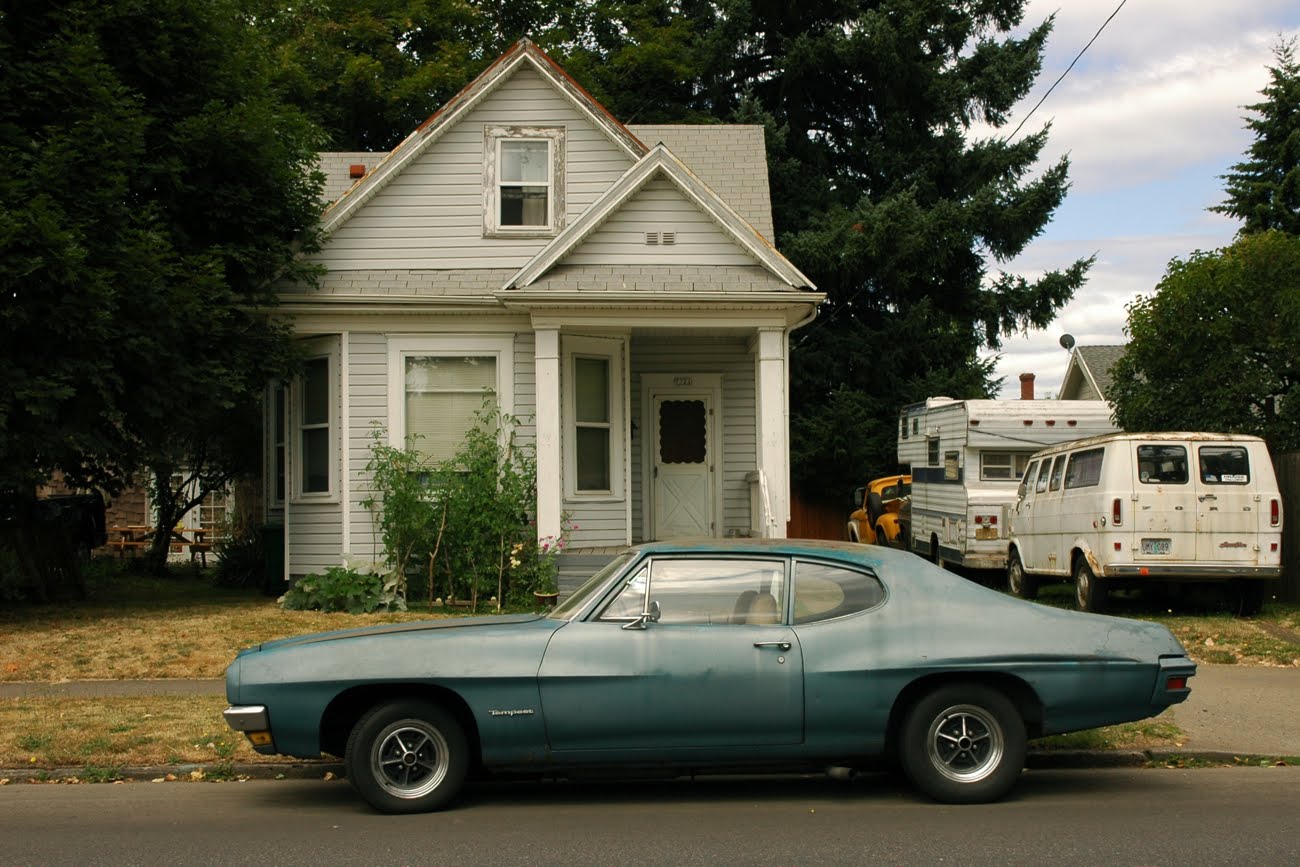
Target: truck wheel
1020,584
963,743
1089,593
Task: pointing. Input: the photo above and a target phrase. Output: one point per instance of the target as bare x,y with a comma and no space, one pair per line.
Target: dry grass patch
134,628
111,733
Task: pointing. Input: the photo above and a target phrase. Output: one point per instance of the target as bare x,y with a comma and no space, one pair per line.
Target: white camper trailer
967,458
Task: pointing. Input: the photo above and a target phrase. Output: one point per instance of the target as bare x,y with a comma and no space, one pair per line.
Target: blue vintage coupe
716,655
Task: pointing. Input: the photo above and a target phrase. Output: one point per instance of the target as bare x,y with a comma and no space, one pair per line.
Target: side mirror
649,616
858,494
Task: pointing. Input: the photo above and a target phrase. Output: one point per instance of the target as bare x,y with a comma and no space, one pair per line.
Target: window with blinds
592,421
443,394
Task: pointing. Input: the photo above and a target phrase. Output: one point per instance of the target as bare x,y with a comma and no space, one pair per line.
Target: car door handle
783,645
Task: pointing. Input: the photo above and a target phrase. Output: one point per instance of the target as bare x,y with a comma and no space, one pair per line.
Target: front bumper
254,722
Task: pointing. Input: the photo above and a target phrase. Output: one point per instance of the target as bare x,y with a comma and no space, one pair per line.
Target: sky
1151,117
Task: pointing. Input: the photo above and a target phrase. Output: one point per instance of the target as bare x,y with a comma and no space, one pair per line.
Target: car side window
1041,485
705,590
823,591
1058,470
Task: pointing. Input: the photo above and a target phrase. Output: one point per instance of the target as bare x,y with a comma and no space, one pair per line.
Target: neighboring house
614,286
1087,376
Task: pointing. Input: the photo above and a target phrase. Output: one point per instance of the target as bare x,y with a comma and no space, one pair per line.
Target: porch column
549,488
773,432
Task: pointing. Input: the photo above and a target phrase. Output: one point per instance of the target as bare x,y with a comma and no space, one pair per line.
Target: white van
1125,509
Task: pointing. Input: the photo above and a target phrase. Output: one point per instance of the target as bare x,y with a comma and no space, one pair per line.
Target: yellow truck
878,506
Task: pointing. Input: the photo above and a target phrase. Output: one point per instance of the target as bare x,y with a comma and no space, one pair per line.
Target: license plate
1155,546
982,533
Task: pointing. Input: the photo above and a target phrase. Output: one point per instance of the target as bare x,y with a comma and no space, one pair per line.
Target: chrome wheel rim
965,743
409,759
1081,588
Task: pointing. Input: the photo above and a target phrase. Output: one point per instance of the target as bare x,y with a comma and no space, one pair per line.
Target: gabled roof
660,162
1091,365
522,53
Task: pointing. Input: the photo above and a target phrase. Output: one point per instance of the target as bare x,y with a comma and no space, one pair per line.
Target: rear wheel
1246,597
963,743
1020,584
1089,592
407,756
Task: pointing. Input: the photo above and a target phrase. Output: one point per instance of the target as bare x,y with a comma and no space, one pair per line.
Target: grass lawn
181,626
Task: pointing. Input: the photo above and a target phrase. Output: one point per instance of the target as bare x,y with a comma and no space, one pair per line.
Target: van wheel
1089,593
1020,584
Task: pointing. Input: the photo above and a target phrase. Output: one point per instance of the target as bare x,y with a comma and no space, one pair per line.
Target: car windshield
579,598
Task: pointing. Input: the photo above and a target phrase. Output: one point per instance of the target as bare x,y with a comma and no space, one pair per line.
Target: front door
682,468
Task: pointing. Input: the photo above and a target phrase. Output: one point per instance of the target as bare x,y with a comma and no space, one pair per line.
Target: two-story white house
614,286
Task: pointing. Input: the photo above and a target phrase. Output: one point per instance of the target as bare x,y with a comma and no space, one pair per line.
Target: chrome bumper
247,718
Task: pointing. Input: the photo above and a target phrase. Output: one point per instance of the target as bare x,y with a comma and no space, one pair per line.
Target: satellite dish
1067,342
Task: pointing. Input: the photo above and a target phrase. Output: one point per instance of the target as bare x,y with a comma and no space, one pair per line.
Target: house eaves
659,162
523,52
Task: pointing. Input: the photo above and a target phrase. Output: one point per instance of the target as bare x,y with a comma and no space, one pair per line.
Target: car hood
463,623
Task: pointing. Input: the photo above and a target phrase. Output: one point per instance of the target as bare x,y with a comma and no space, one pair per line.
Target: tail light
986,520
1274,513
1116,512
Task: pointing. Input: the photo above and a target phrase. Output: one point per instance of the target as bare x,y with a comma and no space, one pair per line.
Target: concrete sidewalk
1234,713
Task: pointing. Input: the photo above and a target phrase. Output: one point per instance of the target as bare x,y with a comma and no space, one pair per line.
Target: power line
1067,70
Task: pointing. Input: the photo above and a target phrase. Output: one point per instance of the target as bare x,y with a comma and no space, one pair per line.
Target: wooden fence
818,520
1288,481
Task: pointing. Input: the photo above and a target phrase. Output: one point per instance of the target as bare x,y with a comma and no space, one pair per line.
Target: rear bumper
1171,680
1191,571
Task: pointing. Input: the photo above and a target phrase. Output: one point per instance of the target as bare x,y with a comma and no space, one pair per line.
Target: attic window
523,171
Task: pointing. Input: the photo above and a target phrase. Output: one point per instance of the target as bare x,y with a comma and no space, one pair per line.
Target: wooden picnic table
136,537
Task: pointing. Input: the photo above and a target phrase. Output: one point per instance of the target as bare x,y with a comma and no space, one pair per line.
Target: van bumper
1191,571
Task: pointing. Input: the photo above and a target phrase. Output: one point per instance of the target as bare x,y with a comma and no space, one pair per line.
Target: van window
1027,480
1002,465
1224,465
1162,465
1058,469
1041,485
1084,470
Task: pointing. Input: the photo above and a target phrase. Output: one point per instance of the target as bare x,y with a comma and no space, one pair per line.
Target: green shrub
355,589
241,561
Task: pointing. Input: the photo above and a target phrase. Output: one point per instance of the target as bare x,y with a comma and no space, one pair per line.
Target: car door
718,668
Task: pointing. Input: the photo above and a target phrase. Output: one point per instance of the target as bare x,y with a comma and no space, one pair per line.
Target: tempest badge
1232,544
524,712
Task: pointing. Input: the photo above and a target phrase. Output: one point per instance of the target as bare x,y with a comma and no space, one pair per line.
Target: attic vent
652,238
357,170
656,238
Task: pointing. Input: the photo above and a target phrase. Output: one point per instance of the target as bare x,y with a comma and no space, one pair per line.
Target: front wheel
1089,593
1020,584
963,744
407,757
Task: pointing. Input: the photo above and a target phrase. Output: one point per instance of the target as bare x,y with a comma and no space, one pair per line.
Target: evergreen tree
1264,189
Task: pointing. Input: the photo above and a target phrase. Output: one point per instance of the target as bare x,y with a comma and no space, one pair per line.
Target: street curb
328,769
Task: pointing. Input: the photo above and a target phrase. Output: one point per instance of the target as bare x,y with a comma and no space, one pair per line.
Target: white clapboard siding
659,208
725,355
315,537
430,215
368,405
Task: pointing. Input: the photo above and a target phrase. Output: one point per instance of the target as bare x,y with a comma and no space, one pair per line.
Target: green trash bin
272,558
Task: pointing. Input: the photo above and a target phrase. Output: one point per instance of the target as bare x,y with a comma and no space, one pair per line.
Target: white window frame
610,350
1003,460
277,417
493,136
315,350
500,347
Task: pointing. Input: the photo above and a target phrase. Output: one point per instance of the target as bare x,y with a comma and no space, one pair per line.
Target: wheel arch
1018,691
346,708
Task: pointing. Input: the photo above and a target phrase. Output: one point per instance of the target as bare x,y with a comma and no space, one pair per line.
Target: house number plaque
683,380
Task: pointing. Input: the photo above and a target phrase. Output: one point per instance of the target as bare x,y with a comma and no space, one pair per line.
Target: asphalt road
1204,816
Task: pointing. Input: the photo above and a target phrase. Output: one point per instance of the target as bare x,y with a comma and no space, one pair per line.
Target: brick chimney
1026,386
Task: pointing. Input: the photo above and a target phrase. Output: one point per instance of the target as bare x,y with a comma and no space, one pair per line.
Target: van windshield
1224,465
1162,465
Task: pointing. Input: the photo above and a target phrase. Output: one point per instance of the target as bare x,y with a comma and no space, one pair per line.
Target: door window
704,591
1043,472
1084,469
683,433
1027,481
1058,470
1162,465
1224,465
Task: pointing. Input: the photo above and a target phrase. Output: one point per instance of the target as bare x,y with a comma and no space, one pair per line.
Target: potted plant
544,587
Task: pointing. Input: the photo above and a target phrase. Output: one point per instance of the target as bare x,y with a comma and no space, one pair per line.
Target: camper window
1162,465
1224,465
1002,465
932,451
1084,469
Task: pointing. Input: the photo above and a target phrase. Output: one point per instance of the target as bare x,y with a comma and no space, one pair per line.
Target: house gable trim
410,148
660,162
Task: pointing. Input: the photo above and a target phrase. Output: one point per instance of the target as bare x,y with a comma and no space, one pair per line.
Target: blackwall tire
407,756
1089,592
1020,584
963,743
